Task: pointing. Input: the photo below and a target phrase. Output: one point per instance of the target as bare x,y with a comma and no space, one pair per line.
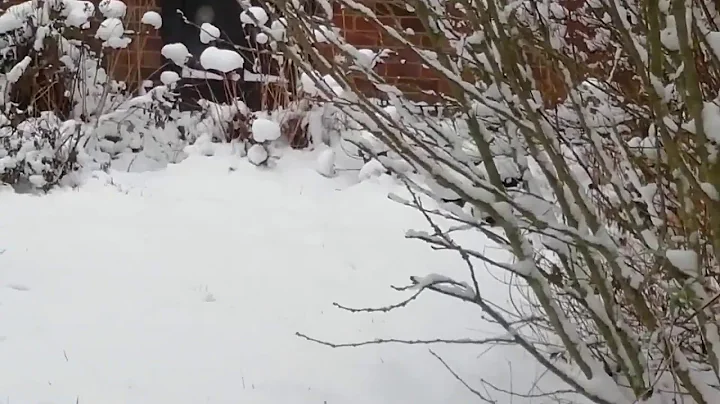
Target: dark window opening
181,24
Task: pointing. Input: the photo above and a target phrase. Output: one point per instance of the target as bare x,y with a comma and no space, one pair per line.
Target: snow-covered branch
581,138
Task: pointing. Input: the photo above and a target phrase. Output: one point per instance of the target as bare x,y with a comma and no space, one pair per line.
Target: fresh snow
169,77
209,33
367,58
223,60
257,154
15,16
152,18
710,190
261,38
265,130
77,13
325,164
18,70
110,28
371,169
112,8
684,260
309,86
202,146
111,31
176,52
188,285
246,17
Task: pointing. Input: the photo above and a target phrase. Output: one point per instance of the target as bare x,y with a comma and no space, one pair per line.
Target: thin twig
383,341
460,379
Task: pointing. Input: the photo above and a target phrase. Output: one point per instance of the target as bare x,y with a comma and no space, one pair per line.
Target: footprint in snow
19,288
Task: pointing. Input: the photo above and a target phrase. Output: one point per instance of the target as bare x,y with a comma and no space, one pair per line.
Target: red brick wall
403,68
142,57
409,75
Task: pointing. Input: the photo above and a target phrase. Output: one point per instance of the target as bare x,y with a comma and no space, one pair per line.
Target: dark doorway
225,15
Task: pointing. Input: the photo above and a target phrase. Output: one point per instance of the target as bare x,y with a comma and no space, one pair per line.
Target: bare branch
381,341
460,379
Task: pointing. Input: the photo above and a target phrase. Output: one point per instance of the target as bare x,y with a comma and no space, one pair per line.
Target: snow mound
188,285
110,28
77,13
261,38
152,18
112,32
169,77
18,70
209,33
176,52
264,130
684,260
257,154
223,60
258,13
325,164
112,8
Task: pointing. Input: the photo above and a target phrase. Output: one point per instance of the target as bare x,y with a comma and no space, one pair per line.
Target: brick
395,70
151,59
364,86
413,23
363,24
389,41
150,74
430,73
120,72
406,54
399,23
362,38
414,84
444,87
118,57
385,8
344,22
153,43
326,50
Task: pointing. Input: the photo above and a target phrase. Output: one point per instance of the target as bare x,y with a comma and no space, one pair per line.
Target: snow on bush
152,18
169,78
326,163
77,13
111,128
103,127
209,33
262,38
112,32
112,8
257,154
53,80
222,60
176,52
265,130
582,139
39,152
254,16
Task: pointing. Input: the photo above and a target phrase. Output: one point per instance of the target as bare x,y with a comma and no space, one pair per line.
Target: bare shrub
582,138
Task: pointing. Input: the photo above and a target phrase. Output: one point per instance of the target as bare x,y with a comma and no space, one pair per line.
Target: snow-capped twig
381,309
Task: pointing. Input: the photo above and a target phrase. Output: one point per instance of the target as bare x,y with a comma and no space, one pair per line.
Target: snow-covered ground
187,285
